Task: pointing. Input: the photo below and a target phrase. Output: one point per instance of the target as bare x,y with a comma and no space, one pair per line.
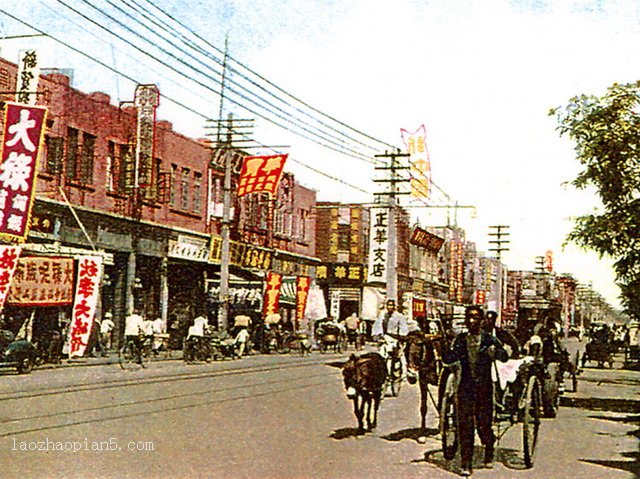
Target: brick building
153,217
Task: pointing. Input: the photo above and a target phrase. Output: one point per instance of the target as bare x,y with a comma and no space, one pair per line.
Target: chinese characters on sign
272,293
419,161
187,247
480,296
302,291
84,306
42,281
8,262
378,242
241,254
456,268
28,76
261,174
23,128
429,241
146,101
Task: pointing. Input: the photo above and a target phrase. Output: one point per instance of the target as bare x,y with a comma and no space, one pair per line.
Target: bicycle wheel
531,420
449,419
395,378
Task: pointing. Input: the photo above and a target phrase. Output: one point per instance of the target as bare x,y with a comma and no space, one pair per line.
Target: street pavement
279,416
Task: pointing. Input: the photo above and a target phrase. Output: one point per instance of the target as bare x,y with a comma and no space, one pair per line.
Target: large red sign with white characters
23,128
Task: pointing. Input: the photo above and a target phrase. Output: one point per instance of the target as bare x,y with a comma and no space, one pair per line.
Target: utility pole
499,232
392,203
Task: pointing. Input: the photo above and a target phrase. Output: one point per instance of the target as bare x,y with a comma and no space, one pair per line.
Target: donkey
364,377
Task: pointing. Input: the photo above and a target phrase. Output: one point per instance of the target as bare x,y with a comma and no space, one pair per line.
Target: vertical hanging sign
302,291
8,263
419,162
146,100
84,306
21,139
378,244
28,77
272,293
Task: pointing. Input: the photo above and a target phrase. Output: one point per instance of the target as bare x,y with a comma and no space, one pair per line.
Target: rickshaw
517,400
330,336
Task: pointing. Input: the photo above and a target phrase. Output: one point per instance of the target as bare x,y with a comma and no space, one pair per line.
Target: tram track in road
203,397
168,378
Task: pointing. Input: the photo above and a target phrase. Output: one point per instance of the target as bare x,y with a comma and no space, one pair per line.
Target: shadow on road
510,458
345,432
412,433
629,408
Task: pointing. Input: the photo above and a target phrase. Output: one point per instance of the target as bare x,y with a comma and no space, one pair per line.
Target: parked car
19,354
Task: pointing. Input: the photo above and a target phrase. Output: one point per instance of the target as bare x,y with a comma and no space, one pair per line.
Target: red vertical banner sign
84,306
302,291
21,142
8,262
272,293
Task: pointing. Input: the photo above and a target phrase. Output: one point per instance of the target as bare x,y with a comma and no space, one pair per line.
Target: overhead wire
210,45
185,106
134,81
337,147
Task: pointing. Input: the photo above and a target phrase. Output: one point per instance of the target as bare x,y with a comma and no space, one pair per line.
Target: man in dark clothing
506,338
475,351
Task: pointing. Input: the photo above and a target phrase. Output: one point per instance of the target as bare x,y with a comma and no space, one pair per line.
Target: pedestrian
508,340
159,329
241,340
106,328
475,351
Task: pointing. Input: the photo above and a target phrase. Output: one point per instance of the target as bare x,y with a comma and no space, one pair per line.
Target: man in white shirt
106,328
133,328
391,327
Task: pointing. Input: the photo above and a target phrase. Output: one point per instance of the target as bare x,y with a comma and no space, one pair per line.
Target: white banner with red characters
272,293
302,291
261,174
84,306
419,161
23,128
8,262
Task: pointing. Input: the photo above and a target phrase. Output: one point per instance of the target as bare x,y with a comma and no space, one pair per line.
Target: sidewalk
176,355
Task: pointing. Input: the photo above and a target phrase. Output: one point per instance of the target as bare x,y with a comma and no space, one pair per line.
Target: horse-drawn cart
518,400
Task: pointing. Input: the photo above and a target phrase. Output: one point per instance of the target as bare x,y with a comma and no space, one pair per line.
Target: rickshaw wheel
531,420
449,420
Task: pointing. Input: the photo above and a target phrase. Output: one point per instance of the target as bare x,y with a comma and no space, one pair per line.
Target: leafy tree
606,131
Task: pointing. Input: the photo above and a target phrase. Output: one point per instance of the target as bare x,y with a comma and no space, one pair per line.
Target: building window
71,153
111,165
87,158
304,231
55,151
184,190
126,169
174,185
197,192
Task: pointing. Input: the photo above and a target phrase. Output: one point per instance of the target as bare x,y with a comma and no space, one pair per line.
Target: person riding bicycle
133,329
391,328
195,334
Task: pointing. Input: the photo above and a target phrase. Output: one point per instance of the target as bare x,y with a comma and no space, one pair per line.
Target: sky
480,75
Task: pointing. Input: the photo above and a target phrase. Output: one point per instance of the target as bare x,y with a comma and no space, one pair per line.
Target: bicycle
130,356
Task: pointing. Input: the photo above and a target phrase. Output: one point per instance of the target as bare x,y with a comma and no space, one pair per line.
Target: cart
600,352
516,402
330,336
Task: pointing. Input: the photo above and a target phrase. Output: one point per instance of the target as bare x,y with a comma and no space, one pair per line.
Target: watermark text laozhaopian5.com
113,444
